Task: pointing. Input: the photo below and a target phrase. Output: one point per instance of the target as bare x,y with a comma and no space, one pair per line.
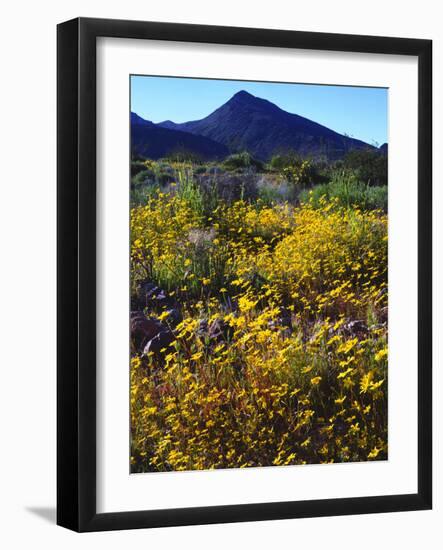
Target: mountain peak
243,94
137,119
249,123
244,98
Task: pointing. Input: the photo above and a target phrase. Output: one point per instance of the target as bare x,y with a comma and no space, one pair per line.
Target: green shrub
136,167
241,161
182,154
348,191
189,190
281,161
272,191
296,170
200,169
141,195
371,166
143,178
163,177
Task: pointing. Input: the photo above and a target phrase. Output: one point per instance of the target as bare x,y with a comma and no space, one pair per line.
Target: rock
150,294
143,328
161,341
214,332
174,316
146,332
356,327
383,317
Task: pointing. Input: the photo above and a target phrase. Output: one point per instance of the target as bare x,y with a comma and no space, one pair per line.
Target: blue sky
359,112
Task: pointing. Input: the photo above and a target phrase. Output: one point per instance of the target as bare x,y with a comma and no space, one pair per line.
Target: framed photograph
244,274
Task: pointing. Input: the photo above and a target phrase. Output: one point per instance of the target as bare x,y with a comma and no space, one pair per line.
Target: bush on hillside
241,161
143,178
295,169
371,166
348,192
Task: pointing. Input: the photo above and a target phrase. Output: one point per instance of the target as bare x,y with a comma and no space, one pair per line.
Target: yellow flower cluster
297,373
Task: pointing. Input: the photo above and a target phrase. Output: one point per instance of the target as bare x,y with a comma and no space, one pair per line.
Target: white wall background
27,273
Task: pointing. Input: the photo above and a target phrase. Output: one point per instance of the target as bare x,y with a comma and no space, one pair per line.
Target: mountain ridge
153,141
246,122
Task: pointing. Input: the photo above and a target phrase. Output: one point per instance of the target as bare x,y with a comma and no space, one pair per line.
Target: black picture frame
76,294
